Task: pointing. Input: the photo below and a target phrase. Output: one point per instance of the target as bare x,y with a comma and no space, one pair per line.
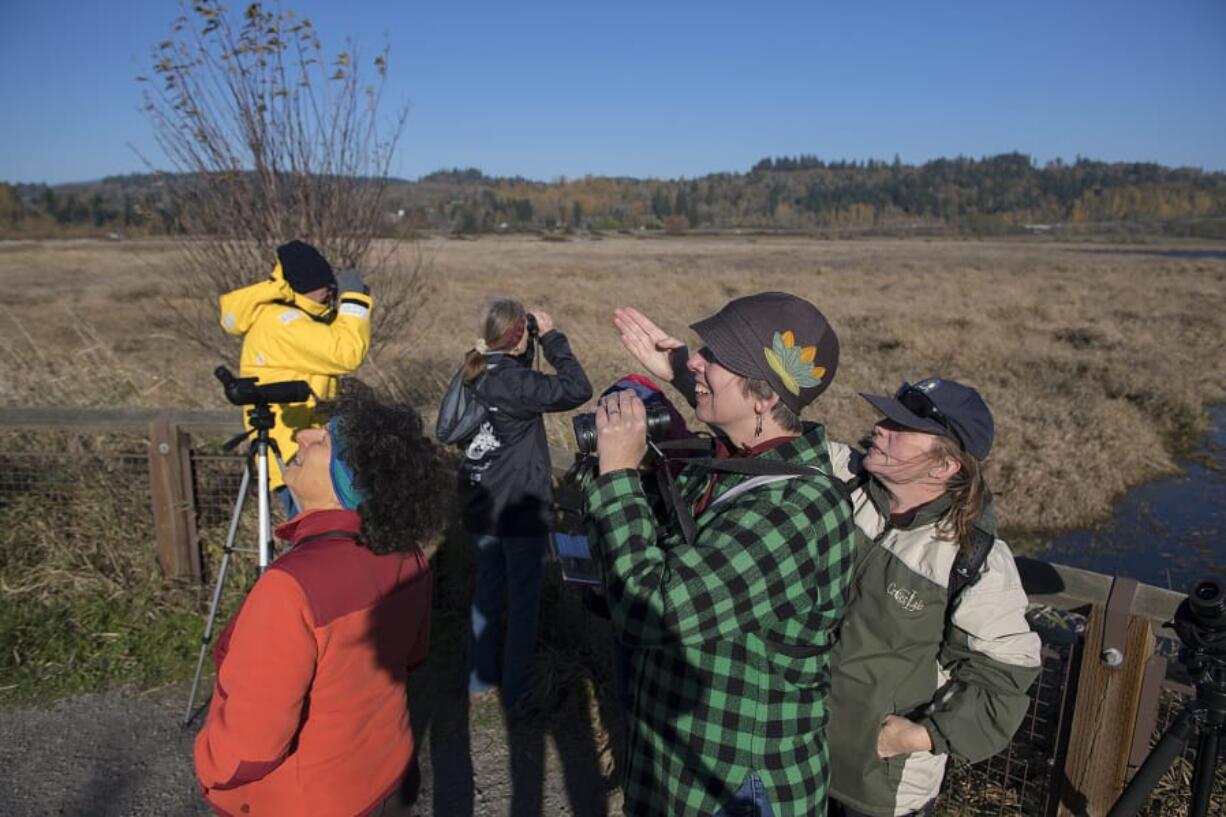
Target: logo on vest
908,600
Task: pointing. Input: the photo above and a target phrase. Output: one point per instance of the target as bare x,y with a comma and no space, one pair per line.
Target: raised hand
648,343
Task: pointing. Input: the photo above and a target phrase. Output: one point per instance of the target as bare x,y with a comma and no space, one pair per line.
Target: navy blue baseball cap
943,407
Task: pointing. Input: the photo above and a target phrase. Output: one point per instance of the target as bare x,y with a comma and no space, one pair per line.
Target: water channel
1168,533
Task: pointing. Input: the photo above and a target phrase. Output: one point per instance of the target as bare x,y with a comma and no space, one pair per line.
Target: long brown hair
967,489
498,315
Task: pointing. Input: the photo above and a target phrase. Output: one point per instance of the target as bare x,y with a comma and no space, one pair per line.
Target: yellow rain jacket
285,338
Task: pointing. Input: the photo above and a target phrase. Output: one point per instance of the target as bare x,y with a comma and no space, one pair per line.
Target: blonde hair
967,489
498,315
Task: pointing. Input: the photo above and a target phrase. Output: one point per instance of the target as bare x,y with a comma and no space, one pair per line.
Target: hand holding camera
348,280
659,426
621,431
542,320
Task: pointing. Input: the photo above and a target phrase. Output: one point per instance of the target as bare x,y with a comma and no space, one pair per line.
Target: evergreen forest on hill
995,195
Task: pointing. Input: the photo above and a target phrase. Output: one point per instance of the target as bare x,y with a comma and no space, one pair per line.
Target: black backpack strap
855,482
676,503
700,444
964,572
966,567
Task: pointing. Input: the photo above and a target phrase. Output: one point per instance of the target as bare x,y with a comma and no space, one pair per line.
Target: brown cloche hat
776,337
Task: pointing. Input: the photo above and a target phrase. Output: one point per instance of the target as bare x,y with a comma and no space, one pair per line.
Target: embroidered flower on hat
794,364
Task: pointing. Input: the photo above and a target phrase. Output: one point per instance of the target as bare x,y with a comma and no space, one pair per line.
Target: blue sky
668,89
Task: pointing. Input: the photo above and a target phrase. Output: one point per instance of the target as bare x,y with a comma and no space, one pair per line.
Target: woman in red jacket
309,714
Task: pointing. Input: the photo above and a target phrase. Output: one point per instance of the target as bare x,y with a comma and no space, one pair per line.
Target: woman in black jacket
505,485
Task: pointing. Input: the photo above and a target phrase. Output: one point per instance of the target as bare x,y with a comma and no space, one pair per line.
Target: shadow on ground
556,760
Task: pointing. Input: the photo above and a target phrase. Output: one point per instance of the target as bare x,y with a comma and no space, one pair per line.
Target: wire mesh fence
77,509
1024,780
76,515
1019,780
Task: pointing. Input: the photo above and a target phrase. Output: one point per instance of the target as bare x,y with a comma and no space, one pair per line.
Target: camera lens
1208,603
584,426
659,422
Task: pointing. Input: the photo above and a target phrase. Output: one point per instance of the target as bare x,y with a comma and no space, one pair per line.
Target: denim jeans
509,573
748,801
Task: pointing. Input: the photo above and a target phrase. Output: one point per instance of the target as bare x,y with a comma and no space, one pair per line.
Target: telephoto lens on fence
1208,604
1200,619
1200,623
245,391
659,423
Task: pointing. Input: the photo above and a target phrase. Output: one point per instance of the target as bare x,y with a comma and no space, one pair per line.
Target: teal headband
349,494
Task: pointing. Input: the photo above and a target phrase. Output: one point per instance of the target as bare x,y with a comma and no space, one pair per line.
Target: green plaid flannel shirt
729,637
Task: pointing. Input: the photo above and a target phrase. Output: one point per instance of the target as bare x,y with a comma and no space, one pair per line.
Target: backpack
461,413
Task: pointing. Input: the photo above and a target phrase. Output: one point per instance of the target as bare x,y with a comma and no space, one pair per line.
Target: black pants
401,801
836,809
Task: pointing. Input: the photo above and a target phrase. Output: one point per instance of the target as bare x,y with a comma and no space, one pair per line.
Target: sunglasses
920,404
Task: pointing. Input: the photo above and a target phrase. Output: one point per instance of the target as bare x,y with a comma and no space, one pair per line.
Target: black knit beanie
305,269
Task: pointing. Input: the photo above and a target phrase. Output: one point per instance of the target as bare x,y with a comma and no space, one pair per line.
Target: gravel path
123,753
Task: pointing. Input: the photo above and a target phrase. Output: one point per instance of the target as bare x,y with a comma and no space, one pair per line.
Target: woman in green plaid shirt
729,628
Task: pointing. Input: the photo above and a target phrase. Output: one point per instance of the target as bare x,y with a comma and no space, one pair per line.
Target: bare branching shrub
271,140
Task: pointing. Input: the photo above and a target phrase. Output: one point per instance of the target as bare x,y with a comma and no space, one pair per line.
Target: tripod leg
265,516
1168,747
1206,765
221,578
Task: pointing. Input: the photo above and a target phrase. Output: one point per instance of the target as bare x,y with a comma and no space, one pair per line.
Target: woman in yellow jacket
295,327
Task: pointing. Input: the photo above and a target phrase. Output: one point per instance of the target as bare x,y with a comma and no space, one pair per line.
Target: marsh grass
1097,366
83,605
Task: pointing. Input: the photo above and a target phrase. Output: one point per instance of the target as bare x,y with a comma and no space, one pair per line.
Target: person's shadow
571,704
566,705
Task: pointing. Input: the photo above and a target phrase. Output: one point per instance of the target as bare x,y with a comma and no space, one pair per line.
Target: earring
757,432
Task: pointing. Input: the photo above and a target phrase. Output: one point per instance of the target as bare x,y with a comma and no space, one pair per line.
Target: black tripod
262,421
1200,622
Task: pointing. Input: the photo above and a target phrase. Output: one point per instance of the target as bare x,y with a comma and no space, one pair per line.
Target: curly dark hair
394,464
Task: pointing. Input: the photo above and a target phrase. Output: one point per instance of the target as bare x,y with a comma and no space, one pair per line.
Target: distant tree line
993,195
134,205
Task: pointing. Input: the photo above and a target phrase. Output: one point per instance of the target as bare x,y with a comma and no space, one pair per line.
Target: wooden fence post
171,489
1118,646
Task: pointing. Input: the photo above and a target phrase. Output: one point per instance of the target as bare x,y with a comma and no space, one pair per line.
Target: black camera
659,423
245,391
1208,604
1200,619
534,328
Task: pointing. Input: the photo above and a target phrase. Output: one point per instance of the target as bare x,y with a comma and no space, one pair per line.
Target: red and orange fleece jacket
309,715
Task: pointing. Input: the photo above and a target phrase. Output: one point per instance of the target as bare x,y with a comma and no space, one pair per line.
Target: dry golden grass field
1096,364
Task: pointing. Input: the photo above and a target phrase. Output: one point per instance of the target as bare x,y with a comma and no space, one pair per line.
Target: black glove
348,280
